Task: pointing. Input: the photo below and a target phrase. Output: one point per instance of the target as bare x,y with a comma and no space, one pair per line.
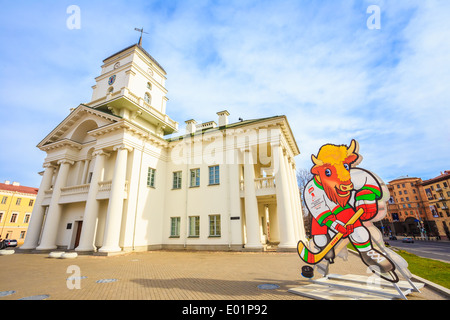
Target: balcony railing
125,92
264,183
79,193
84,188
263,186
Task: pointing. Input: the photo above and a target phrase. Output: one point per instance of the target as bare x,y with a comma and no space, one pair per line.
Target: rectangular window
4,199
89,179
195,178
22,235
27,218
13,218
151,177
18,201
194,226
214,175
1,216
214,226
30,204
175,227
176,180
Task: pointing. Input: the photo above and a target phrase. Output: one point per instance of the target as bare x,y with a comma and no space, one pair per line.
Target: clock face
112,79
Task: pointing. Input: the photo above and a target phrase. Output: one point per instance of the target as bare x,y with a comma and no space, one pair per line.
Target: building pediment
73,130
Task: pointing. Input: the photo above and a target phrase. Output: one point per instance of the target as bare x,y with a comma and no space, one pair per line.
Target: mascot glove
370,208
339,226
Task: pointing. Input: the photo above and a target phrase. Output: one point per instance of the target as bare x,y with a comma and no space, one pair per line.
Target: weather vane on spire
141,31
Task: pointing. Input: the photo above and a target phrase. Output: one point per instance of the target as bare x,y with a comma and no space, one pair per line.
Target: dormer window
148,98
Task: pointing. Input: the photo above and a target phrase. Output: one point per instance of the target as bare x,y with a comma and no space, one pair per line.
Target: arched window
149,86
148,98
110,90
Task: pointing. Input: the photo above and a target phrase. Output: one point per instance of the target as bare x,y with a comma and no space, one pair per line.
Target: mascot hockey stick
314,258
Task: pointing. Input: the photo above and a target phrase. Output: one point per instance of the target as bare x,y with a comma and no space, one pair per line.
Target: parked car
10,243
392,238
408,240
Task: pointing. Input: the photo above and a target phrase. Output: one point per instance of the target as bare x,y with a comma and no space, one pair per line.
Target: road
437,250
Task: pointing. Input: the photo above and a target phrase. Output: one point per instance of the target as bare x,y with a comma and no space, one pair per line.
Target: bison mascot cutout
340,198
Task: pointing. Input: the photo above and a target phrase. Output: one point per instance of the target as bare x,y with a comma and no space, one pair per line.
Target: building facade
16,207
118,178
408,209
437,191
418,208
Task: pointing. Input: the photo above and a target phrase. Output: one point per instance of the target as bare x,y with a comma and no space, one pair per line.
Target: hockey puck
307,272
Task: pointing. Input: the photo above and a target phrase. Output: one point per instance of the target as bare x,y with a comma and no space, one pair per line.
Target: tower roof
143,50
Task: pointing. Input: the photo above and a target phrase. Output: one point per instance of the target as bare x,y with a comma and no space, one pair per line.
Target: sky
374,71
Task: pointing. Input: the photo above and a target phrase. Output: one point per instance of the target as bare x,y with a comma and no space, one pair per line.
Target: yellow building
16,206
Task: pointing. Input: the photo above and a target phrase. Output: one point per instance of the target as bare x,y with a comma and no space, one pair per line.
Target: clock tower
132,85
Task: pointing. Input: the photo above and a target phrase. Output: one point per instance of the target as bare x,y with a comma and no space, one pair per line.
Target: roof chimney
190,126
223,118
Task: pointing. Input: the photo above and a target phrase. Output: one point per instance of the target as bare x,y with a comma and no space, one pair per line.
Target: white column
235,203
251,203
284,210
298,206
85,171
129,225
115,206
292,197
92,205
37,216
48,241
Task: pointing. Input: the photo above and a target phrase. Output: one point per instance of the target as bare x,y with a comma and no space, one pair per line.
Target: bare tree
303,177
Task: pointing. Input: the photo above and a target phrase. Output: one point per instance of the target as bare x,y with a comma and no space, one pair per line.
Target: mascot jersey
327,214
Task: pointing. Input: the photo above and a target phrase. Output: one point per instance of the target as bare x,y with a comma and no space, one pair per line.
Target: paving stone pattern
166,275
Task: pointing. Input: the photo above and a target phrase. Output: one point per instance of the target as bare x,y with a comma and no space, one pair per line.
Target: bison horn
316,161
352,148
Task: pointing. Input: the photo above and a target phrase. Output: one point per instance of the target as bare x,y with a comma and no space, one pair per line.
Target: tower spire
141,31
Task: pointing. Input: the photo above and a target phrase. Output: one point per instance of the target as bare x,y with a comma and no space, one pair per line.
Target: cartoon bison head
332,170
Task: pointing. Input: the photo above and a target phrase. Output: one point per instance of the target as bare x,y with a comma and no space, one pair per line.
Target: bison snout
346,187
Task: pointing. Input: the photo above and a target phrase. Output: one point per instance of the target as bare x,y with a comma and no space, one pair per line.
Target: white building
114,181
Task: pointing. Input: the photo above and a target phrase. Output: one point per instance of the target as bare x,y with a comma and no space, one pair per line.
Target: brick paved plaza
166,275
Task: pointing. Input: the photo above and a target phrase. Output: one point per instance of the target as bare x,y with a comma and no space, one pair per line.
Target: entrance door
77,237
